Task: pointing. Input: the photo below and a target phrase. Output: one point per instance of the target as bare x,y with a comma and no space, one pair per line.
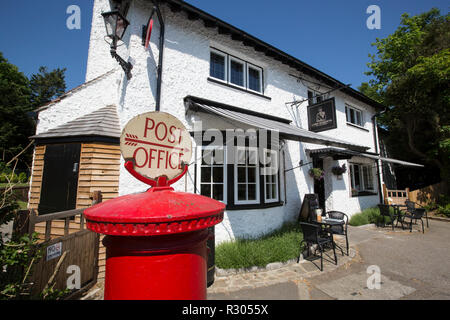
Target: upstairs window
354,116
235,71
314,97
254,80
218,66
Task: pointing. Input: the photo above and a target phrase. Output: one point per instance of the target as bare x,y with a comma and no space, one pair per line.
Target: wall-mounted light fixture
116,25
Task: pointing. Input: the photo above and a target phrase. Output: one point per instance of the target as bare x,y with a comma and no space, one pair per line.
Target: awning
339,154
263,121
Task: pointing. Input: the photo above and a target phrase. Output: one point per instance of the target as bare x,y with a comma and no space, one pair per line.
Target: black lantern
116,25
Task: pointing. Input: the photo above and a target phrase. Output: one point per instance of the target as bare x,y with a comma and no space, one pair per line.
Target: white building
217,75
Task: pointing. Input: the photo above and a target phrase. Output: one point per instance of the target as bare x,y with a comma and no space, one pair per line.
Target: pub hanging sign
322,116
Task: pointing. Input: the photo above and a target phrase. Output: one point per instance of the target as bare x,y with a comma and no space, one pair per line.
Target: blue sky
329,35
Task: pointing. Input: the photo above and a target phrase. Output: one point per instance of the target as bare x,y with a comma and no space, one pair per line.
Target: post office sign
157,143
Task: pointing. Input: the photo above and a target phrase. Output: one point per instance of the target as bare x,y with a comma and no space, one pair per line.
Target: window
270,173
361,179
236,72
354,116
212,173
254,79
246,176
218,65
314,97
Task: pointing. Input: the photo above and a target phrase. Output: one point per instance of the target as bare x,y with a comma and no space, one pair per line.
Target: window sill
238,88
254,206
356,126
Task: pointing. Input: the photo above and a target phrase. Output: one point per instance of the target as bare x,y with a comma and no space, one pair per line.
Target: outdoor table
327,223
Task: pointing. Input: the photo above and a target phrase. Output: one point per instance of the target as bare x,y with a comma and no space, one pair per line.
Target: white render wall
185,72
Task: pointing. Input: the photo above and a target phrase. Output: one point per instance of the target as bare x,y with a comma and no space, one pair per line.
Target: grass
367,216
279,246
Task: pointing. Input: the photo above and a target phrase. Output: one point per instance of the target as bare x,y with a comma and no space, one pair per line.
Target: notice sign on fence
157,143
54,251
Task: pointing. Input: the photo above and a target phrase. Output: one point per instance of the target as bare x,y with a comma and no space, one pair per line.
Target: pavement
382,264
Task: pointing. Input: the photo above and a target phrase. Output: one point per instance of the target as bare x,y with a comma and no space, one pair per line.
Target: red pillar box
156,240
155,243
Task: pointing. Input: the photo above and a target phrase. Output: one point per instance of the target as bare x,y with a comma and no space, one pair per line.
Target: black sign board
310,202
322,116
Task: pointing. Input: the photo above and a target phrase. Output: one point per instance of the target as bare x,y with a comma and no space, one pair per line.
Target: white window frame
260,70
199,168
244,71
361,176
225,56
356,110
236,183
274,155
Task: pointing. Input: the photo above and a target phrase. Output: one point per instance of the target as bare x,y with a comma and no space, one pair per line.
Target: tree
15,126
411,71
46,86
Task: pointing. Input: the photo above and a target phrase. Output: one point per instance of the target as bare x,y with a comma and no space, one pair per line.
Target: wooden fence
78,248
428,194
421,196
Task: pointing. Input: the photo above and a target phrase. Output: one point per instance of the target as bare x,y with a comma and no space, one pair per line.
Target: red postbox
155,243
156,240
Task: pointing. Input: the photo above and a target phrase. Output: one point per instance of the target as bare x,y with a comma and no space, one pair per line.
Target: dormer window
354,116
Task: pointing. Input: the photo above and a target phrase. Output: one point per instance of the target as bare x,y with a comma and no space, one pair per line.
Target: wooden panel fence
79,249
428,194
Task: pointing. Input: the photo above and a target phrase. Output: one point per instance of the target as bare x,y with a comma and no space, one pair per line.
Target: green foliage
411,75
15,126
45,86
18,97
278,246
368,216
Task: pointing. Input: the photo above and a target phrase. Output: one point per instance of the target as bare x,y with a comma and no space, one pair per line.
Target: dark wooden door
60,178
319,185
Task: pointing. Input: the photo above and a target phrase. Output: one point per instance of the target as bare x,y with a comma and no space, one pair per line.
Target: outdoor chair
385,212
311,236
340,229
411,207
417,214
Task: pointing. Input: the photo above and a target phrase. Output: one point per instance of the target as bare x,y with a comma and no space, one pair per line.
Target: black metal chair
311,236
417,214
385,212
411,207
340,229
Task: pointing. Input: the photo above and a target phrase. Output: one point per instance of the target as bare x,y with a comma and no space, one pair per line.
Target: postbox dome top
158,211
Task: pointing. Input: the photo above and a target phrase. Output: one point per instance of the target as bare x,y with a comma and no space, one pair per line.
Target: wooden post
408,194
385,194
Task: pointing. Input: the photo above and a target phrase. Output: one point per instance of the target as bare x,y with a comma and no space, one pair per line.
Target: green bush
444,210
278,246
367,216
22,177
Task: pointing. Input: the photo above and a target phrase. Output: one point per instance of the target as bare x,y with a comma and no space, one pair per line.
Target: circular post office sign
157,144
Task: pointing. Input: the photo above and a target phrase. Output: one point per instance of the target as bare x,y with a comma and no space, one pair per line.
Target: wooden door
60,178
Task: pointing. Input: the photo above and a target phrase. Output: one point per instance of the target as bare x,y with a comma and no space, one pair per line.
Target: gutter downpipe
375,138
161,53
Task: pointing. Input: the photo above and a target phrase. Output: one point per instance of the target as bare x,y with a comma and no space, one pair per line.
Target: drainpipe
375,138
161,54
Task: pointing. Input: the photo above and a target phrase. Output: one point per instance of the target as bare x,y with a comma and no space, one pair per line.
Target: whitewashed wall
185,72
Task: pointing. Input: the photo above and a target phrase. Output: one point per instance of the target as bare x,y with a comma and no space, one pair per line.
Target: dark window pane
205,174
217,66
254,79
242,192
241,174
252,192
251,174
218,174
205,190
237,73
358,118
268,187
218,191
357,179
352,116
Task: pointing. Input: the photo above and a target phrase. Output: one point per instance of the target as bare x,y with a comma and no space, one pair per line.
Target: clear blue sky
329,35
